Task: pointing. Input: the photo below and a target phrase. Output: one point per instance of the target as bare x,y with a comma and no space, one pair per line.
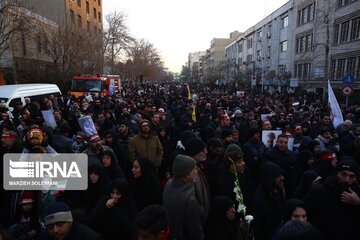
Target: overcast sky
176,28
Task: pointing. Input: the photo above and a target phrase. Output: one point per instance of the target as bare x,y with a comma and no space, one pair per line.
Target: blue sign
348,79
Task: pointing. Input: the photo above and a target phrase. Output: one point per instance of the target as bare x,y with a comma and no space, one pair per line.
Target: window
87,7
99,2
88,26
282,68
350,67
258,55
355,29
79,3
283,46
344,33
333,69
342,3
240,49
79,21
347,31
99,16
95,13
72,16
304,43
306,14
249,43
303,70
284,21
340,71
259,35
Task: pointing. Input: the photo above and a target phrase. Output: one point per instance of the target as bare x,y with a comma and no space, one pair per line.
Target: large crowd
172,161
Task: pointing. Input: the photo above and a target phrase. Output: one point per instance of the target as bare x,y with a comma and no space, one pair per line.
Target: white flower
249,218
241,208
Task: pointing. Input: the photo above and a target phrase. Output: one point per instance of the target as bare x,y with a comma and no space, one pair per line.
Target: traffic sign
348,79
347,91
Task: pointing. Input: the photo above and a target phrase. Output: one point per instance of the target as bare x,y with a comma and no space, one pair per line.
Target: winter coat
333,218
185,214
146,146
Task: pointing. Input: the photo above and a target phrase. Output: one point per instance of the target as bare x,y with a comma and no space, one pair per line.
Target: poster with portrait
87,126
269,137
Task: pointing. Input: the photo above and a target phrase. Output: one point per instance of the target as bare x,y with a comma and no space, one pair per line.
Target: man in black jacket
335,204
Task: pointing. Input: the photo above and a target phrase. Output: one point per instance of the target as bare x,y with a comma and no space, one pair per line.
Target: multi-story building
215,55
84,13
194,65
29,53
25,49
304,42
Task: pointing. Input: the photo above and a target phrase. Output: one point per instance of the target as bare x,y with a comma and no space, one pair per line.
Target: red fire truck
108,85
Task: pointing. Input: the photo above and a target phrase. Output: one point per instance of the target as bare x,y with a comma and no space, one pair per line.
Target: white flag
335,112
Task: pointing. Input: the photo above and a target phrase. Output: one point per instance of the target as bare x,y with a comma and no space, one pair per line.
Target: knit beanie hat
144,121
183,165
58,212
35,133
194,146
234,148
349,165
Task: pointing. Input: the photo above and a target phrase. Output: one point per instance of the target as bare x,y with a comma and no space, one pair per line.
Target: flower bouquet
245,220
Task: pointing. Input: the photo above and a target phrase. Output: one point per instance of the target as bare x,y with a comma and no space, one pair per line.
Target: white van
13,94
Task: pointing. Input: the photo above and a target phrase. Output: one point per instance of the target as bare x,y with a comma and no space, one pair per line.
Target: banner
49,118
335,111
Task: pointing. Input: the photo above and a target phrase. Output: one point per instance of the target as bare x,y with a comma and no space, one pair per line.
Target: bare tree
144,60
72,49
117,39
12,20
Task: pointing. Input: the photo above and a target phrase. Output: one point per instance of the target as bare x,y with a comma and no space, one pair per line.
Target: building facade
84,13
195,65
303,43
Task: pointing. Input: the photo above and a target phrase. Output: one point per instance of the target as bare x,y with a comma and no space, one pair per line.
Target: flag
193,114
335,111
189,93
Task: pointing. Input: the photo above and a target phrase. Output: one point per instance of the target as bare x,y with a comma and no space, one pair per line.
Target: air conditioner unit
268,34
